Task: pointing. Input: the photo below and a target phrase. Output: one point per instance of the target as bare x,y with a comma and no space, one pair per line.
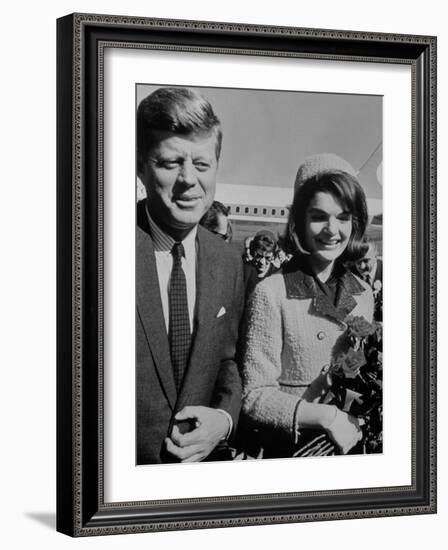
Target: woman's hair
262,244
346,189
178,110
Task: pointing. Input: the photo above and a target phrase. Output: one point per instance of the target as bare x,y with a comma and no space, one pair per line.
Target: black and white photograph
259,288
246,284
223,307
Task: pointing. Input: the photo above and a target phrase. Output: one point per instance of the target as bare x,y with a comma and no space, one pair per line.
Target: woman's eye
346,217
318,218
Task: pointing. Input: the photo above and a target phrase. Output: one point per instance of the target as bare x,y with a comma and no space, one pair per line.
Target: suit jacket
212,377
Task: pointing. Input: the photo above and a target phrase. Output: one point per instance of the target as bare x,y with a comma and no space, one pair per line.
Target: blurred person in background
370,269
216,220
263,250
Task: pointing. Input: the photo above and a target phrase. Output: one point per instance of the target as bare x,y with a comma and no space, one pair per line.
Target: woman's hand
344,429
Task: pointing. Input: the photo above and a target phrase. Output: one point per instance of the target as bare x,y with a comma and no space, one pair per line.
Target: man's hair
371,249
346,189
210,220
178,110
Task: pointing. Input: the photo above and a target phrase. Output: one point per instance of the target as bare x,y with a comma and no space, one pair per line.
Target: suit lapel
206,303
149,307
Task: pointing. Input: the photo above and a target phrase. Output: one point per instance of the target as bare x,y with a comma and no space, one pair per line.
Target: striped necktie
179,328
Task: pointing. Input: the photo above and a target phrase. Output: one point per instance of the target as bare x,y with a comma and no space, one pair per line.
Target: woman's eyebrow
315,210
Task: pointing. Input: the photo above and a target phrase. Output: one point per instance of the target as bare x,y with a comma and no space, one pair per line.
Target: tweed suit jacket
291,335
212,377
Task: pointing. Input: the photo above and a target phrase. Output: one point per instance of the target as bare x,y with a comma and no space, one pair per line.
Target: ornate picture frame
81,506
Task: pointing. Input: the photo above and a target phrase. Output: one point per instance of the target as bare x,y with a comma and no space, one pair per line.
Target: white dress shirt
163,245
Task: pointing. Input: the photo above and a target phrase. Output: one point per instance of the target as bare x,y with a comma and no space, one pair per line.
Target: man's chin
186,222
188,214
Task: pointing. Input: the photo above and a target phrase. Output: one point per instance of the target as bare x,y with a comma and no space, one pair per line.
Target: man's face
179,176
367,265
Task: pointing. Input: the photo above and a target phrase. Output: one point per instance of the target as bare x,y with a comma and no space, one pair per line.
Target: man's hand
211,427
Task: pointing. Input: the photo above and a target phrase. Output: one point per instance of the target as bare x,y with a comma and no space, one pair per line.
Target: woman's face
328,227
262,260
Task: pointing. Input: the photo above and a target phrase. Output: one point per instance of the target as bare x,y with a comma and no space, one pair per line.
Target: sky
266,134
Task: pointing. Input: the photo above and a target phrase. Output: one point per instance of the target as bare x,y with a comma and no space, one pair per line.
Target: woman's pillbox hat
318,164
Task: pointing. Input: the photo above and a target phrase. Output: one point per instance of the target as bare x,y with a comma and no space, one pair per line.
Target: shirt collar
164,242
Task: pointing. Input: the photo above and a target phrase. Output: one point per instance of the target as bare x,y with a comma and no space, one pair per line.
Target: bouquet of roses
355,378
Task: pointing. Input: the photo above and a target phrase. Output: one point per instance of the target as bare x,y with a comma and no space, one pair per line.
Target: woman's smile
330,243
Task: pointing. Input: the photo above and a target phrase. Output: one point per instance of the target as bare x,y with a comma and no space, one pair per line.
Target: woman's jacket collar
300,284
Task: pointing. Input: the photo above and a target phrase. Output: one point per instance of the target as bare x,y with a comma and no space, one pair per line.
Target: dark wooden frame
81,510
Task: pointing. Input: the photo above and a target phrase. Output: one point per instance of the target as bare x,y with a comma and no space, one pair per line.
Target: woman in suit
295,318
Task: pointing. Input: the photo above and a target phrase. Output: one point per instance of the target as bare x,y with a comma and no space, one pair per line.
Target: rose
358,327
355,378
349,364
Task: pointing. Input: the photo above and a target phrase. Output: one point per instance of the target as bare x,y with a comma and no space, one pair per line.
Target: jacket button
321,335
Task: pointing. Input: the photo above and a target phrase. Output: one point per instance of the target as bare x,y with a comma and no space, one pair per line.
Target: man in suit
189,282
216,220
370,267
